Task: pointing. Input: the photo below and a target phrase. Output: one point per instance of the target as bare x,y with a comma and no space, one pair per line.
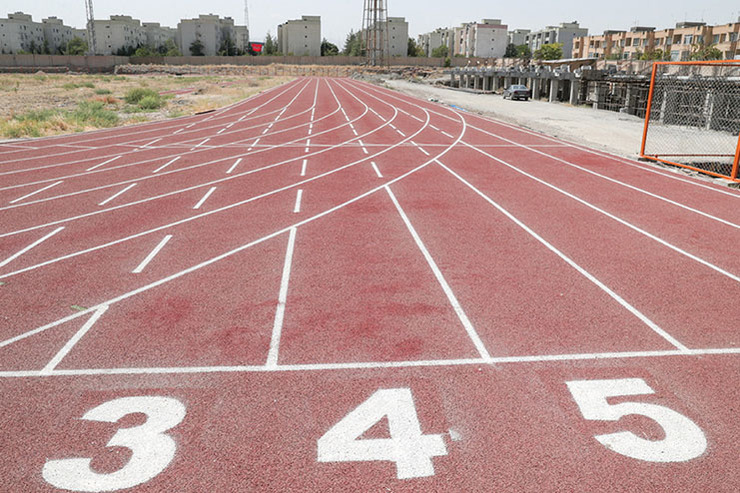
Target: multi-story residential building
439,37
676,44
211,30
485,39
300,37
18,33
157,35
398,36
57,35
518,37
120,32
564,34
241,33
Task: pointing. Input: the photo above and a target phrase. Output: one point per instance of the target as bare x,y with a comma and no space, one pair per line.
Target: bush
134,96
102,92
93,113
151,103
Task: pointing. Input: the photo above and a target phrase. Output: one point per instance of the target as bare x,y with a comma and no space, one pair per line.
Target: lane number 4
683,441
407,446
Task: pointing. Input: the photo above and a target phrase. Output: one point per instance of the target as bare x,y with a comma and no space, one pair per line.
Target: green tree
76,46
510,51
271,47
169,48
145,51
353,45
441,52
228,47
524,52
329,49
551,51
414,49
699,52
197,48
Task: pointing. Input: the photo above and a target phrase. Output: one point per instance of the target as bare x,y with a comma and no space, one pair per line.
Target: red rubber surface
406,246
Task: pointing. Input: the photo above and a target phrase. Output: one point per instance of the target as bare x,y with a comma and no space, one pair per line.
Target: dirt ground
47,104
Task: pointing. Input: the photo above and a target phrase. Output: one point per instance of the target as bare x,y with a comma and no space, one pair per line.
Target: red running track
335,287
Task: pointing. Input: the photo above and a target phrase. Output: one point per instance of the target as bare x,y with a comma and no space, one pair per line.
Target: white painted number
152,450
407,447
683,440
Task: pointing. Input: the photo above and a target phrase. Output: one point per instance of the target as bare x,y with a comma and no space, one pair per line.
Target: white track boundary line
380,365
73,341
665,335
461,315
205,197
30,247
235,251
117,194
277,327
35,192
152,254
611,216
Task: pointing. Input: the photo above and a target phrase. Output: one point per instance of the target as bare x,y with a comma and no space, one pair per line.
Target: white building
210,30
120,32
300,37
157,35
398,36
57,35
485,39
518,37
18,33
564,33
439,37
241,33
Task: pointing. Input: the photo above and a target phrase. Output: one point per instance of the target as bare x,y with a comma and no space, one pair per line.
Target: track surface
334,287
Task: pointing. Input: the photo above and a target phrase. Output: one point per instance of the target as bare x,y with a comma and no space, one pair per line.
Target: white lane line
447,135
36,192
665,335
441,279
277,326
73,341
152,254
205,197
29,247
375,167
230,125
435,128
198,145
308,145
400,133
362,144
354,131
233,166
298,197
254,144
420,148
266,130
117,194
192,125
177,131
145,146
221,131
103,163
373,365
303,167
611,216
165,165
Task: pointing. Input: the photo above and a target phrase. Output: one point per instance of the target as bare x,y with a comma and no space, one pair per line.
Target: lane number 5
152,450
683,441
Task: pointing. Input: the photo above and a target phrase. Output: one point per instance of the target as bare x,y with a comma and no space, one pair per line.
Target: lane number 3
683,441
152,450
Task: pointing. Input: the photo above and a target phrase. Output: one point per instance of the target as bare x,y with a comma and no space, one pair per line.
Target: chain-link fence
694,116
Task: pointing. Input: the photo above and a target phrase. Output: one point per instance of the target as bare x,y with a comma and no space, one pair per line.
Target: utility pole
374,33
90,26
246,23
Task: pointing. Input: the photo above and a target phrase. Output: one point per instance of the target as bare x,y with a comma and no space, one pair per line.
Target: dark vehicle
517,92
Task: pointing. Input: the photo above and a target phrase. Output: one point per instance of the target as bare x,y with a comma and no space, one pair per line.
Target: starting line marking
73,341
30,247
165,165
233,167
36,192
104,163
117,194
303,167
205,197
377,171
198,145
298,197
277,327
150,257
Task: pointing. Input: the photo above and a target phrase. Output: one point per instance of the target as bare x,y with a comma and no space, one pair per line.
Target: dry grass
41,105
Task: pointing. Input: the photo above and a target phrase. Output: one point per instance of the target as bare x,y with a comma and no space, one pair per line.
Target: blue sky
339,16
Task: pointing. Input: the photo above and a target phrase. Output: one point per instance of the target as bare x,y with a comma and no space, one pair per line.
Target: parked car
517,92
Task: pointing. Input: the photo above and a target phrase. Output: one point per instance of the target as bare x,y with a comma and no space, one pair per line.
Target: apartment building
677,44
57,35
518,37
18,33
157,35
241,34
300,37
439,37
211,30
398,37
564,33
119,32
485,39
